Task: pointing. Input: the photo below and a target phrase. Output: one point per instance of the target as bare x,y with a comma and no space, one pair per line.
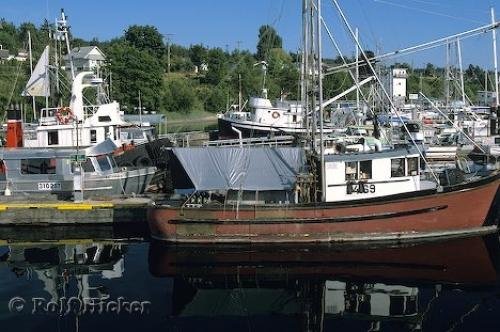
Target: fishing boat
62,172
313,193
263,119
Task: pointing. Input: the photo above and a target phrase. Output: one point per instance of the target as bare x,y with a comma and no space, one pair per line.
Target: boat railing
274,141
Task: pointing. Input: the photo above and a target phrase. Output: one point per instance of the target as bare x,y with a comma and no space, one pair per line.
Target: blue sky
386,24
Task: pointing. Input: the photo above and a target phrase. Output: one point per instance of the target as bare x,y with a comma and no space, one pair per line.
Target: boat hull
462,210
253,129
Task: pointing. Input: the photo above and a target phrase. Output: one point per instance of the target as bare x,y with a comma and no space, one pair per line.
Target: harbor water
133,284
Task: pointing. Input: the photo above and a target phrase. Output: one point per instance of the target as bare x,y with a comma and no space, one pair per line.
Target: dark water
140,286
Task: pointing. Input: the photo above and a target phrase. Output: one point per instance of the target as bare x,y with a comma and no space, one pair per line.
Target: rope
426,11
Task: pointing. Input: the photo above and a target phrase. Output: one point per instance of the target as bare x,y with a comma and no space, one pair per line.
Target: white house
22,56
399,76
87,58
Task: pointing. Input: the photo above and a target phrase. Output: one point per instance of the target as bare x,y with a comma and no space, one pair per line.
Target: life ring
275,115
64,115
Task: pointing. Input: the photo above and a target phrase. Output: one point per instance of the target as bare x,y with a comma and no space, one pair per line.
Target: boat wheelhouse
53,171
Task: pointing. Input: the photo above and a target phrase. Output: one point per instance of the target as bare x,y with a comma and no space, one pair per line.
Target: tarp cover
247,168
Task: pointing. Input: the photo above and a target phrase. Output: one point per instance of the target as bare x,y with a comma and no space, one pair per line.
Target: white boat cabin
370,175
281,116
84,125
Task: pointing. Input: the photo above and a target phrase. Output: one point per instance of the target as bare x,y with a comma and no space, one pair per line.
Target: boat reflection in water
414,287
58,266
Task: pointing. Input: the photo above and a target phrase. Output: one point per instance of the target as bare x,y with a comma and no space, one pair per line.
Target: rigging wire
427,11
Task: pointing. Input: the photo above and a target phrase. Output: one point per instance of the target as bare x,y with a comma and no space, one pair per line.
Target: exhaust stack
14,128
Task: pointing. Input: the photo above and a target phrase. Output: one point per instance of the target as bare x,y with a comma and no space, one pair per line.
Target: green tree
133,71
146,38
218,66
217,99
268,40
198,54
178,96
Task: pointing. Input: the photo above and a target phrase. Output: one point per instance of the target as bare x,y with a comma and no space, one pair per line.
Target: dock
130,210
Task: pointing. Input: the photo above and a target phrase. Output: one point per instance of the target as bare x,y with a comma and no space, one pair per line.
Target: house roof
4,54
85,53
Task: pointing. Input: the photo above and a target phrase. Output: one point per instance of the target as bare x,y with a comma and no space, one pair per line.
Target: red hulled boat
470,208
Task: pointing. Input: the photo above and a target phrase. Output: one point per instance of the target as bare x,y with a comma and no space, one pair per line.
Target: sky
386,25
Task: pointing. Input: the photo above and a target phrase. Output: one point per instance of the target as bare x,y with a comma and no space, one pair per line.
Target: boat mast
447,77
31,72
62,26
312,68
357,70
304,68
462,84
319,63
495,57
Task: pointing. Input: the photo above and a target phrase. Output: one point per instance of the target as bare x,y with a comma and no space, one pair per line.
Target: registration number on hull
49,186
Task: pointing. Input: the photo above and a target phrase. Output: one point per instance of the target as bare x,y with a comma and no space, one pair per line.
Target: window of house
351,170
38,166
365,169
413,166
397,167
53,137
93,136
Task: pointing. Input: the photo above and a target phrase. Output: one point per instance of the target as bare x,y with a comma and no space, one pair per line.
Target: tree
218,66
178,96
198,54
268,40
217,98
133,71
146,38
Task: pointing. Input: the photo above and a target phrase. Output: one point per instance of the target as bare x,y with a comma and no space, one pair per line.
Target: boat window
112,161
397,167
38,166
105,118
413,127
351,170
106,132
53,137
87,166
365,169
104,164
93,136
413,166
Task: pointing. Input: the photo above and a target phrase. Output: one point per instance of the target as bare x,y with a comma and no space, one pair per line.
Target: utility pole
168,37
